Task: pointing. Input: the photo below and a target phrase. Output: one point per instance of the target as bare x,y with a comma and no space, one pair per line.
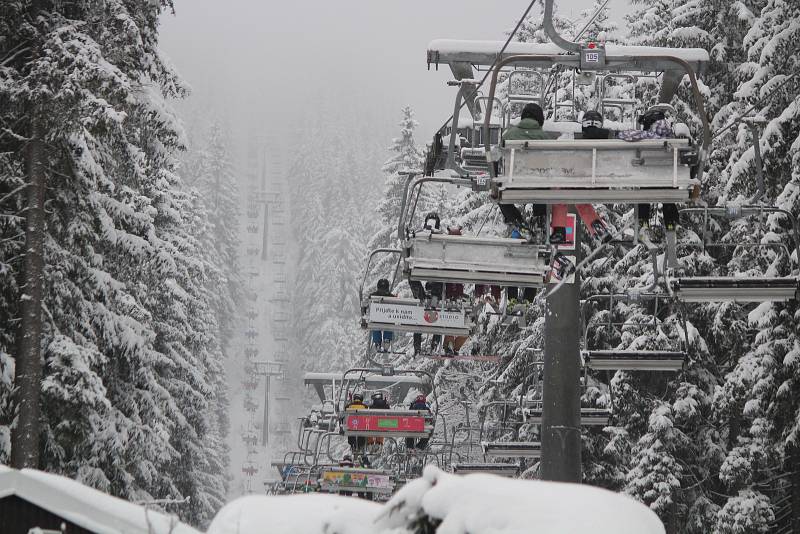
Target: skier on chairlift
655,125
530,128
420,403
356,403
382,339
379,402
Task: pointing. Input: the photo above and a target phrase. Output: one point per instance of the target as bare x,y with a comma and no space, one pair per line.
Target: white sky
262,62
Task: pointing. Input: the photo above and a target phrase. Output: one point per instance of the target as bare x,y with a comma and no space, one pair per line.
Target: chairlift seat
512,449
595,416
353,479
724,289
409,315
503,470
594,170
388,423
634,360
476,260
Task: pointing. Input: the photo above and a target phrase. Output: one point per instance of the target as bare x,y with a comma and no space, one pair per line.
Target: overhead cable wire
502,50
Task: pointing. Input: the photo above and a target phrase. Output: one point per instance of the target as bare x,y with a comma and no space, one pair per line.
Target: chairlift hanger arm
369,264
406,220
735,211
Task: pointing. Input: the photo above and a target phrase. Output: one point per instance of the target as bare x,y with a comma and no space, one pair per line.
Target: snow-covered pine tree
129,392
216,180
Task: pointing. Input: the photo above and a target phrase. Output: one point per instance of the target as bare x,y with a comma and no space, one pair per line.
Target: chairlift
512,449
250,405
280,317
250,438
251,333
503,470
736,288
250,384
586,170
475,260
589,416
250,468
634,360
403,423
356,479
251,351
252,228
465,357
667,360
279,296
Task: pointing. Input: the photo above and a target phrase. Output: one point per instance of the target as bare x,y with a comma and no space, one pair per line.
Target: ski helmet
592,119
358,397
383,284
432,221
651,117
421,398
378,395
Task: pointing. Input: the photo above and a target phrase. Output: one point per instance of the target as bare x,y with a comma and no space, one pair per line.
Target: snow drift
296,514
471,504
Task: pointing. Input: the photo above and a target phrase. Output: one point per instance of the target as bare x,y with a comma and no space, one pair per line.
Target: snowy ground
472,504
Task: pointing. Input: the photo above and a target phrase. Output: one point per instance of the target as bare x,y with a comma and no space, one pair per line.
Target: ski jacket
525,130
355,405
380,405
419,406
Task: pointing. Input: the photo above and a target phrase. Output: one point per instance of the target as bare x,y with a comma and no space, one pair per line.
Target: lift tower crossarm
483,54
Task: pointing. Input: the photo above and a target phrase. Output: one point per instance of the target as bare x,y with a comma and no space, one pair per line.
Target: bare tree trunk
28,367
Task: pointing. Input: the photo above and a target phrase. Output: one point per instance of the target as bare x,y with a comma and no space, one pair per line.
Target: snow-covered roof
294,514
450,51
86,507
489,504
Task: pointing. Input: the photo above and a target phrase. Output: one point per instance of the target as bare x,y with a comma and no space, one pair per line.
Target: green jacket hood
526,130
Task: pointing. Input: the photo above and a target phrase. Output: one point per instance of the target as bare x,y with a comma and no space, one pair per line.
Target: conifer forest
207,280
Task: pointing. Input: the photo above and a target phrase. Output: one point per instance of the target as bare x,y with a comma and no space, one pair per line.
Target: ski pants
586,212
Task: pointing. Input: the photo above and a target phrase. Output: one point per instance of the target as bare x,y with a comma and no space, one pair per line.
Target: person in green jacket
529,127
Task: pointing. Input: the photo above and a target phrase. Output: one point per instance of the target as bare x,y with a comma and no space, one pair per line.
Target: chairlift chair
475,260
250,384
671,359
403,423
250,438
250,468
279,297
512,449
250,405
585,170
634,360
251,333
334,479
741,289
503,470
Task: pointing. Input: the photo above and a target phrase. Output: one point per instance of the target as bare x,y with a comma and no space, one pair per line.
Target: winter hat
533,111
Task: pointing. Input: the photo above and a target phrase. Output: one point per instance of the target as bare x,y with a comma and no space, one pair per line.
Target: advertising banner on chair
403,314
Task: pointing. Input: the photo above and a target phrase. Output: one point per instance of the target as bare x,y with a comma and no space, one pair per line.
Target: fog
263,63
